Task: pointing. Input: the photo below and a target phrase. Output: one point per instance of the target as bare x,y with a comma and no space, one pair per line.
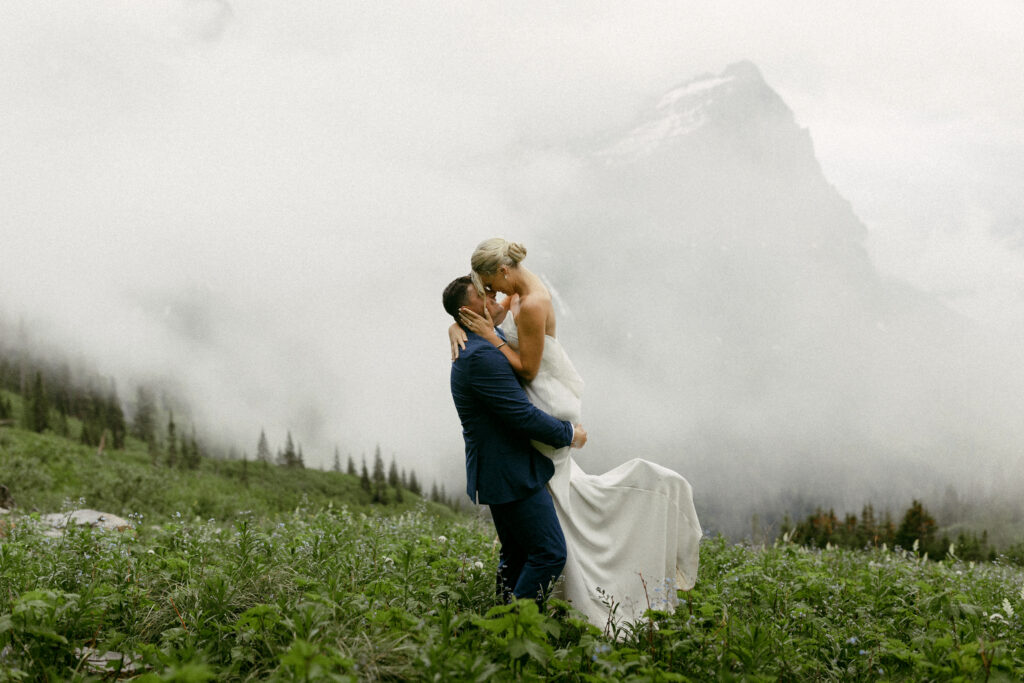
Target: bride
632,533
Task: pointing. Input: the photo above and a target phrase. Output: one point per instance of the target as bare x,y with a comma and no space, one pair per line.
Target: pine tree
867,531
364,478
917,525
414,485
378,467
144,420
393,480
300,461
86,437
114,417
172,442
380,493
263,449
289,457
194,455
435,497
38,412
336,467
351,468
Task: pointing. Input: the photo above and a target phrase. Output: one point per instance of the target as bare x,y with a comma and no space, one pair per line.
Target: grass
333,594
293,575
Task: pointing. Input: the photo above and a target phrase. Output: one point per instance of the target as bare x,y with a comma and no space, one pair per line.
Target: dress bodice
558,388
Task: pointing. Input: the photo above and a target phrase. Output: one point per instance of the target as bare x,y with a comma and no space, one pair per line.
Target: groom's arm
496,383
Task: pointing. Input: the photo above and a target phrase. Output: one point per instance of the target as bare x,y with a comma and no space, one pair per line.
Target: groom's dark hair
455,295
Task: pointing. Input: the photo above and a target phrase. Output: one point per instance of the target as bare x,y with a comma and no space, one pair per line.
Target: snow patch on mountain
680,111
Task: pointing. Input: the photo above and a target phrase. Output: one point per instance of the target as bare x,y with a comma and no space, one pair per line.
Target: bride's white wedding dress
631,526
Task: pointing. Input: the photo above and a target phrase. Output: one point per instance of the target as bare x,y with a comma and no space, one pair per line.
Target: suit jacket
498,422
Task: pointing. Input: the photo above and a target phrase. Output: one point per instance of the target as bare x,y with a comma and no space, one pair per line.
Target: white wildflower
442,539
1007,608
996,616
478,565
917,544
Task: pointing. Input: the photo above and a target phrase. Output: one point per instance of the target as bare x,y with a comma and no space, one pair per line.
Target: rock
6,500
96,661
92,518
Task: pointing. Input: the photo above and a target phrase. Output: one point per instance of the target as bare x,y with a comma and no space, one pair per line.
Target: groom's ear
456,295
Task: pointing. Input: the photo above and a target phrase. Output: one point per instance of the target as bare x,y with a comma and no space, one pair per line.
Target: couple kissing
623,541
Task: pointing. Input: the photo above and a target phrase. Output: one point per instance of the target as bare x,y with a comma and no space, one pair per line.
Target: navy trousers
532,546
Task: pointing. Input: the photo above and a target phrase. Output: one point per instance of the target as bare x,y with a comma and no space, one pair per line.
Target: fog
264,201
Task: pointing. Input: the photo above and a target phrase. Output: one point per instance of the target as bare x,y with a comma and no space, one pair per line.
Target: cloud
265,199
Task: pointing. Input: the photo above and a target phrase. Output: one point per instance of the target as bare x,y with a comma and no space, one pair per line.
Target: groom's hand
579,436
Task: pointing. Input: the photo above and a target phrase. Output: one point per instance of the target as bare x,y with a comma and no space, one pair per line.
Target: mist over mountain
259,204
729,322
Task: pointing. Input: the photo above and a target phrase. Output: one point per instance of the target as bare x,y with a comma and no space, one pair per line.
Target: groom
502,469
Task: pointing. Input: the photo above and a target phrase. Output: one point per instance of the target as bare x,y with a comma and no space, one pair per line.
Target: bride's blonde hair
496,252
492,254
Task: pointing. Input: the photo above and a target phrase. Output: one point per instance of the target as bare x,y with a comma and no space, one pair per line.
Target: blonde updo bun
496,252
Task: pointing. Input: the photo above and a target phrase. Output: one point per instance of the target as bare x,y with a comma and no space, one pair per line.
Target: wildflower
478,564
852,640
1007,608
996,616
442,539
863,652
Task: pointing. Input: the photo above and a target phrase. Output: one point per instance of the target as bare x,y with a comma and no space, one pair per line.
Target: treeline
389,487
53,395
80,404
917,530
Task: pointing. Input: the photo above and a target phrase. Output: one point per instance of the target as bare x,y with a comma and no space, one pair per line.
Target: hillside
47,472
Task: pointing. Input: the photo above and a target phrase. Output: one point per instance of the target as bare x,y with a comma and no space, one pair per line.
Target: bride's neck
527,282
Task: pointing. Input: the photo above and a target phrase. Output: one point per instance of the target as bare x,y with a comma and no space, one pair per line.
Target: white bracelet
500,345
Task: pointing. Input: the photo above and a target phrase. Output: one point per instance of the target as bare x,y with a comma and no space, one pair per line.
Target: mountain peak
737,92
744,71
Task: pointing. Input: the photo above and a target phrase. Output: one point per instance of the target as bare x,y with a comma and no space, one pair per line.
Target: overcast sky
264,199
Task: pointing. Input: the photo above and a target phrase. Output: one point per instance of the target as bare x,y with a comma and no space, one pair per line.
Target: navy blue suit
504,471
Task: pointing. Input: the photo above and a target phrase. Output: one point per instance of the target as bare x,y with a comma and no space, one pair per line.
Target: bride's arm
530,322
457,338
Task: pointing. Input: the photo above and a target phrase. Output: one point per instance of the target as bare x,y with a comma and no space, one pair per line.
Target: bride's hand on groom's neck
481,325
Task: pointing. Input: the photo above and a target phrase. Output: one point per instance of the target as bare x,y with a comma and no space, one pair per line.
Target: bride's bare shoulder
535,302
536,311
